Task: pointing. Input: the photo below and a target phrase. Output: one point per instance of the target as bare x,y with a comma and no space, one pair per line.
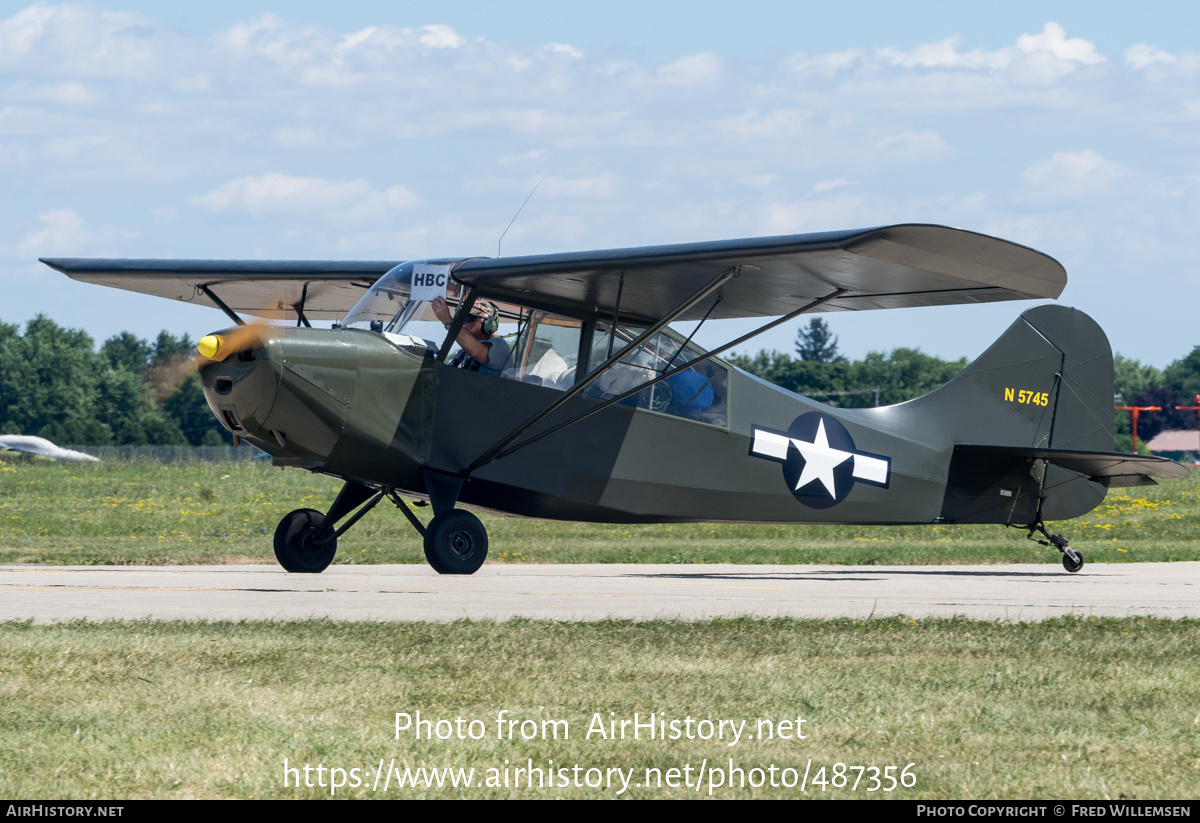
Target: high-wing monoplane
602,412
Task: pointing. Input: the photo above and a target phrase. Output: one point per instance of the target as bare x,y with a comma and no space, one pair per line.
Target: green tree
816,343
891,378
903,374
1183,376
50,381
127,352
190,412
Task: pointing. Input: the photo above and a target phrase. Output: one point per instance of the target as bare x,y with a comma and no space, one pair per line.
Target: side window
548,352
696,393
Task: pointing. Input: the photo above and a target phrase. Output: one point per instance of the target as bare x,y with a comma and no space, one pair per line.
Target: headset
490,324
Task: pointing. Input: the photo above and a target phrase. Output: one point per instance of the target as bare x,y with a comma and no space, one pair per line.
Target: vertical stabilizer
1047,383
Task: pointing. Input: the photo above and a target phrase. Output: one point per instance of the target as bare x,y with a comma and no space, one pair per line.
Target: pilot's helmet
489,313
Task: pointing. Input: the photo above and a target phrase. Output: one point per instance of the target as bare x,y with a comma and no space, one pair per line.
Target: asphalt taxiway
49,594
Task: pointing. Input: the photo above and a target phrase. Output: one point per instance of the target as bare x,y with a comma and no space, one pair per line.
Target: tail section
1043,390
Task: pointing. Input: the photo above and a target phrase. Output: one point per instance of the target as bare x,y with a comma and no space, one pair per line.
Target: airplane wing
881,268
1111,469
259,287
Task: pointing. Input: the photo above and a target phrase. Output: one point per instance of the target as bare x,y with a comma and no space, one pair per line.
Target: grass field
1070,708
129,513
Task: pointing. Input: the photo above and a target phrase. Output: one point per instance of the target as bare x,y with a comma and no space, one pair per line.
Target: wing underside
881,268
328,288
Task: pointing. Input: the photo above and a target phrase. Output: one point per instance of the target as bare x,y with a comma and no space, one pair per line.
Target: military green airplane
602,412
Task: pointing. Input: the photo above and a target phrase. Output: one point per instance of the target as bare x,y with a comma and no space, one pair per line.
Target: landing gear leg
455,541
1072,559
306,540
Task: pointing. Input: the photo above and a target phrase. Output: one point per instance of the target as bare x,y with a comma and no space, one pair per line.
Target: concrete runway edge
49,594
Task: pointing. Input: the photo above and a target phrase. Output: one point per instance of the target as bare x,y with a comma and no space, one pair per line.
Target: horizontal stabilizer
1111,469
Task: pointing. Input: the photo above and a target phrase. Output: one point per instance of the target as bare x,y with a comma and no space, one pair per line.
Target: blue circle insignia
820,461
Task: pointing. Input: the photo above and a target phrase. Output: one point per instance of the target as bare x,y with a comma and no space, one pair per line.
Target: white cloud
946,53
1053,39
696,68
68,93
565,49
440,37
274,194
65,232
1073,173
829,185
774,123
321,57
812,215
827,64
78,39
19,33
1140,55
63,148
1038,58
915,144
758,181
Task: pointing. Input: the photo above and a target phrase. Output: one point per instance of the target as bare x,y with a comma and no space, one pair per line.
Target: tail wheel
296,546
456,543
1072,560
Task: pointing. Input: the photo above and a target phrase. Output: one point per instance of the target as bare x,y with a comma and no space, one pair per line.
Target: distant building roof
1175,441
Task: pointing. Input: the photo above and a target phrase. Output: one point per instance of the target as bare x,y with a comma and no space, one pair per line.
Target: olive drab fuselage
352,404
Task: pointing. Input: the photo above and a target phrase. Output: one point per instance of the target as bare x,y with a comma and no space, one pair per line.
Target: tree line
55,383
818,371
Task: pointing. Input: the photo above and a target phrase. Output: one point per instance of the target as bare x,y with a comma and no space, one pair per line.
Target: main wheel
296,546
456,543
1073,565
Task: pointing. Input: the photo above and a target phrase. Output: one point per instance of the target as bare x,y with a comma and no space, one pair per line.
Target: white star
819,460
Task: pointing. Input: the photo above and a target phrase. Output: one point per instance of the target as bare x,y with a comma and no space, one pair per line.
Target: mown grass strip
129,513
1069,708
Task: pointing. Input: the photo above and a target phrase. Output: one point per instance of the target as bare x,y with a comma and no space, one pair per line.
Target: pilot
479,349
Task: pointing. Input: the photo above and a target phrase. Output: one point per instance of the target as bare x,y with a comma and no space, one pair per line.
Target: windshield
388,307
389,303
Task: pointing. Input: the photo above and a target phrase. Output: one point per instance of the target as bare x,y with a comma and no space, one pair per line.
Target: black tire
1071,566
456,543
296,546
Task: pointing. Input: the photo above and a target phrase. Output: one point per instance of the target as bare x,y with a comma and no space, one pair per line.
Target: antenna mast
515,216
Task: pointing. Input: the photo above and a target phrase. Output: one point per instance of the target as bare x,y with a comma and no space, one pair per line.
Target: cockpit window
695,393
547,351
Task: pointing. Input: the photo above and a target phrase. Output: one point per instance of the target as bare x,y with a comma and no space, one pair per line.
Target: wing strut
495,454
299,307
714,284
221,305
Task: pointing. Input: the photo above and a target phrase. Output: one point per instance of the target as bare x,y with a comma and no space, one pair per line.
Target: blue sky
393,131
